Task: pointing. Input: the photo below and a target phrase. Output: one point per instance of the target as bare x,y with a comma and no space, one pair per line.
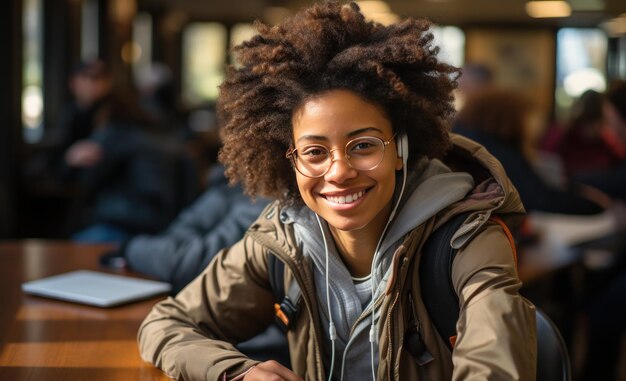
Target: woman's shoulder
271,220
273,230
489,250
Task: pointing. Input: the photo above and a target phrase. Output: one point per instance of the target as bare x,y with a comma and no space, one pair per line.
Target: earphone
402,144
332,331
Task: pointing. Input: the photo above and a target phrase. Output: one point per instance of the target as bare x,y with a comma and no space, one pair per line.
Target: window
451,42
239,33
580,65
204,53
32,71
89,21
142,46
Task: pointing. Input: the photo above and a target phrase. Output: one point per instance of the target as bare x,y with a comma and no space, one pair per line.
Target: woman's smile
345,200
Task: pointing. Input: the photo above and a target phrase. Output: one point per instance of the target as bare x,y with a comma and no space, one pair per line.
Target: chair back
553,361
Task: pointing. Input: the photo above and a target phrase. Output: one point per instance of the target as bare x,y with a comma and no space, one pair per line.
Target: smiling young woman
345,123
332,120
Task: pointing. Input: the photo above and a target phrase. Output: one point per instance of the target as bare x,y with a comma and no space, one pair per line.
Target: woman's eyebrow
312,137
349,134
362,130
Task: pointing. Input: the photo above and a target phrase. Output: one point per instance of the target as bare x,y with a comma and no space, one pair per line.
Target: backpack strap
276,270
285,305
438,294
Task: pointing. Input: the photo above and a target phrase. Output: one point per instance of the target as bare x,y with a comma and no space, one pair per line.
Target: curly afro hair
328,46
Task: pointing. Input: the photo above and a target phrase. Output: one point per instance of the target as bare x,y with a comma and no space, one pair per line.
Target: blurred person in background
216,219
611,179
589,144
475,77
127,181
90,84
158,98
505,122
107,148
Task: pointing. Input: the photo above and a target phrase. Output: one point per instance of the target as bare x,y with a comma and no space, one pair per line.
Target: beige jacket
192,336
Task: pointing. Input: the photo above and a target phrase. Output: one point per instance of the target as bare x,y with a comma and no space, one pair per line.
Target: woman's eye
314,153
361,146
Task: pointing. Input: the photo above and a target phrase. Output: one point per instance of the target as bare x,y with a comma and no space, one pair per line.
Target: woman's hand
271,371
84,153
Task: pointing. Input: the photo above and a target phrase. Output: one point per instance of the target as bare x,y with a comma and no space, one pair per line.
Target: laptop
95,288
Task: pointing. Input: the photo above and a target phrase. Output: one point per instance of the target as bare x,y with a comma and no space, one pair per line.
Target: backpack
442,302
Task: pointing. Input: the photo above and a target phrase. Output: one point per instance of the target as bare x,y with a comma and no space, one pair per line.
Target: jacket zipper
390,334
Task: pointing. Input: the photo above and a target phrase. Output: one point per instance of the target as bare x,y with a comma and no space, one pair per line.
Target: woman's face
347,198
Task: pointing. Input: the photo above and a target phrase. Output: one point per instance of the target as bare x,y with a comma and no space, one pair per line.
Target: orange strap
452,340
281,315
499,221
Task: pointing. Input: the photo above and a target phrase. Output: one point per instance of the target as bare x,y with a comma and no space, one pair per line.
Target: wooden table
44,339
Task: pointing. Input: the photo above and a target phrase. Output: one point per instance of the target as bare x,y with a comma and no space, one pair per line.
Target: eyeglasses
363,153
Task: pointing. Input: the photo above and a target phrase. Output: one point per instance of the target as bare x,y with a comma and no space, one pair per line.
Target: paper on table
569,230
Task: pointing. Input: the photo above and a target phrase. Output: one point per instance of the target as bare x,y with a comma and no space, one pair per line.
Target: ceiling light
542,9
377,11
373,6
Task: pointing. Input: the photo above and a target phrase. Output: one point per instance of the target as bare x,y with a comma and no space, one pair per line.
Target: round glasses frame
292,154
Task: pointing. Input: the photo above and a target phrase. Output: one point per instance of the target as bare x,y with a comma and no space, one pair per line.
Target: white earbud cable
332,332
373,334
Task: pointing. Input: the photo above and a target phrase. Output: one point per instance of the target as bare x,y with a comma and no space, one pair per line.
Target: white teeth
346,199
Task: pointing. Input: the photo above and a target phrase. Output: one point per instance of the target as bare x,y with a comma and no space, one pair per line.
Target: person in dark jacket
127,189
91,85
612,180
217,219
588,144
122,169
500,120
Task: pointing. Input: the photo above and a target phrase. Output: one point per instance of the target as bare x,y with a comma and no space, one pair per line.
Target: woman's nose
340,169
